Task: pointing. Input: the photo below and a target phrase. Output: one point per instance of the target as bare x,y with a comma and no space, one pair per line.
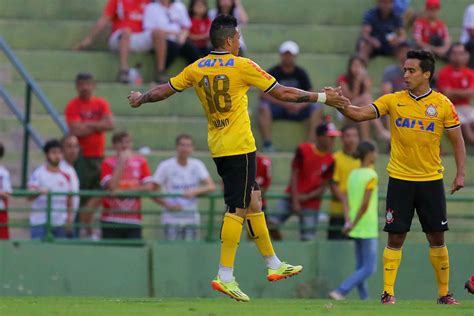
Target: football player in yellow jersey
418,117
221,81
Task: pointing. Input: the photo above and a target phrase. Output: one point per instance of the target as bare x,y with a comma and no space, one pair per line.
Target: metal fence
211,209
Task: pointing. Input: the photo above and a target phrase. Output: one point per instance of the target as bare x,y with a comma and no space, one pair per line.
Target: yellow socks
230,238
391,262
258,231
439,258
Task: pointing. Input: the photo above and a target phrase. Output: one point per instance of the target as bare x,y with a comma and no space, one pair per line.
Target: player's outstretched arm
158,93
330,96
359,113
455,137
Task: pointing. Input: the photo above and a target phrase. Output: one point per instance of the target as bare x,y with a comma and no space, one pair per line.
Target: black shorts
427,197
238,174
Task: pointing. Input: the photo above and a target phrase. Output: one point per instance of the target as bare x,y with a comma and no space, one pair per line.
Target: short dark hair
222,28
184,136
84,76
427,60
118,136
2,150
51,144
453,45
65,138
348,127
364,148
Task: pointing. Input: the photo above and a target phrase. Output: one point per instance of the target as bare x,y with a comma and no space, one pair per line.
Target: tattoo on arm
302,99
146,97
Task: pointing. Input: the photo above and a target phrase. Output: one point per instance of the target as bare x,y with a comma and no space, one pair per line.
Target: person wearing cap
289,74
311,171
382,30
430,32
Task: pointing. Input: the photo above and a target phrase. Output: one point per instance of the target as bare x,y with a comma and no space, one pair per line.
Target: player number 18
219,90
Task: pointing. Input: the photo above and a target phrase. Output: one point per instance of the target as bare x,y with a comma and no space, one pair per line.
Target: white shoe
335,295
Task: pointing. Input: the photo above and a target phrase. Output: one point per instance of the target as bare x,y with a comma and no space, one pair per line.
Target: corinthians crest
431,111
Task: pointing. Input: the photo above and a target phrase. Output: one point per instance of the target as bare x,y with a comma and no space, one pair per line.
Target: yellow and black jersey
221,81
417,124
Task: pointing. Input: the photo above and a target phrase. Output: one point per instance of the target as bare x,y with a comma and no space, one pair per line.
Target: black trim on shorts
172,87
427,198
238,174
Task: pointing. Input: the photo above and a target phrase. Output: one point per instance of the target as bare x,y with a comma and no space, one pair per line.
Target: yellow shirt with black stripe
417,124
343,166
221,81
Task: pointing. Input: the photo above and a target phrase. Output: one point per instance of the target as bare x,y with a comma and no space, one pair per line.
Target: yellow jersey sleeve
255,76
372,184
382,105
451,118
183,80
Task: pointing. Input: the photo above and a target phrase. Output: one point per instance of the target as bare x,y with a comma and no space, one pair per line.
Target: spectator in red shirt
311,171
126,17
5,192
264,175
430,32
456,81
88,118
125,171
200,25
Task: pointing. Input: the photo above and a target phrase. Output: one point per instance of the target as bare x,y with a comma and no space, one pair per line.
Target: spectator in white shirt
169,23
71,148
5,191
50,177
189,178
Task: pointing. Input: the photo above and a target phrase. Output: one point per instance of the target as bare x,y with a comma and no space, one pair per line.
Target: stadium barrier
459,210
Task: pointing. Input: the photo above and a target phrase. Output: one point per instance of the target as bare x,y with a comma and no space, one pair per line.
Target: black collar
218,53
418,98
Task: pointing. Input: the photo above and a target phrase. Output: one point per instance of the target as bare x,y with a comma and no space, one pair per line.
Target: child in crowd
362,227
201,23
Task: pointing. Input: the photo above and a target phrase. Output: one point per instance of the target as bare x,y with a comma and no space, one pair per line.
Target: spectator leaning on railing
5,191
125,171
311,172
189,178
50,177
70,148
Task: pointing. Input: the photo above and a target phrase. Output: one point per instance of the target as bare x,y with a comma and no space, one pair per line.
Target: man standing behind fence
125,171
50,177
188,177
88,118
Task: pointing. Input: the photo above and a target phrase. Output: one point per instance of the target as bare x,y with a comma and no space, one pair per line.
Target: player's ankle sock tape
391,263
258,231
439,258
230,238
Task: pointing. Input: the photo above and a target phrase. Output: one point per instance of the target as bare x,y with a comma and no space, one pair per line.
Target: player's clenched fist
134,98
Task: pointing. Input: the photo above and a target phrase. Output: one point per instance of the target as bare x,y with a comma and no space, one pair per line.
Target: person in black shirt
288,74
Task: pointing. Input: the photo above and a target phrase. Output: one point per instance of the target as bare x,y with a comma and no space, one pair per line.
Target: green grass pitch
72,306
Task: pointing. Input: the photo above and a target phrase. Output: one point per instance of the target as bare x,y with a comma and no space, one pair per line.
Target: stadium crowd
170,30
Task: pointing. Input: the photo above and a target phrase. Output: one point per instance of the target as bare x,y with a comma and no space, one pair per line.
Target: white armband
322,97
